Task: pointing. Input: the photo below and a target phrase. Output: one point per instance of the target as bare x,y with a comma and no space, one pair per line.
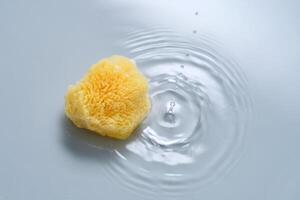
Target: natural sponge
111,99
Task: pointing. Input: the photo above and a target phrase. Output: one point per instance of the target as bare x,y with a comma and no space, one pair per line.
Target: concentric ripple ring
195,129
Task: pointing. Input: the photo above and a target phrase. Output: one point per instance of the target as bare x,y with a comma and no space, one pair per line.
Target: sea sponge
111,99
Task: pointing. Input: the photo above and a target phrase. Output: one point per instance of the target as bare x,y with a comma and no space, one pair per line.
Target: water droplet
172,104
194,31
182,66
196,13
169,117
187,55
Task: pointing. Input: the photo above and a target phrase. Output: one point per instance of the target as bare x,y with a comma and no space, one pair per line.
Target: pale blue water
224,83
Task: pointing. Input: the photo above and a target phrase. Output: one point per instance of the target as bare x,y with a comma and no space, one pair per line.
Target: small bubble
194,31
182,66
196,13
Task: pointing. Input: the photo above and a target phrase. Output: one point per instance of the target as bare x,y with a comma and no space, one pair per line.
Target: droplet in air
194,31
182,66
172,105
196,13
169,115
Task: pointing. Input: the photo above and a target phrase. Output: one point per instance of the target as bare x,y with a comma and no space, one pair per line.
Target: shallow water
224,84
200,110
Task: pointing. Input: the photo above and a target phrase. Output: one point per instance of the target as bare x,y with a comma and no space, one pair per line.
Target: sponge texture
111,99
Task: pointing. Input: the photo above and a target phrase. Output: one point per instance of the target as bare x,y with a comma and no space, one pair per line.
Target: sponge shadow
86,144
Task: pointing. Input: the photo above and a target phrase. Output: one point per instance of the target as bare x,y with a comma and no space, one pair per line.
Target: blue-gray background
47,45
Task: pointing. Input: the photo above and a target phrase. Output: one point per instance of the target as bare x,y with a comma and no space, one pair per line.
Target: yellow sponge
111,99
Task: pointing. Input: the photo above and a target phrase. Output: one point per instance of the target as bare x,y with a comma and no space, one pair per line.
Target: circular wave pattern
195,129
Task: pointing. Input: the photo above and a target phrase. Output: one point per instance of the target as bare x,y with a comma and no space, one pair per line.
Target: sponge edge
111,99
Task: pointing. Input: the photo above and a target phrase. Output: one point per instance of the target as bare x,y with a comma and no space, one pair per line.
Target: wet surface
224,83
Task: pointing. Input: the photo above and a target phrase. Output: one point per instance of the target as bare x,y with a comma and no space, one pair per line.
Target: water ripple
200,109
